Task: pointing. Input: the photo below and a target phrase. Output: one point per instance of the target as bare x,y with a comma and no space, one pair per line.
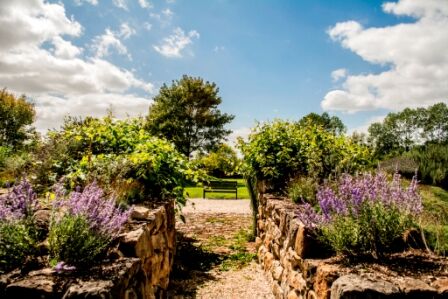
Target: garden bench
221,187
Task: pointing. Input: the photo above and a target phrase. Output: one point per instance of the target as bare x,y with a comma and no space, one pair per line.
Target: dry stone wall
299,267
139,265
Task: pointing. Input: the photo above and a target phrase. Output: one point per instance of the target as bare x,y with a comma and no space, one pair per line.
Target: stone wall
299,267
139,265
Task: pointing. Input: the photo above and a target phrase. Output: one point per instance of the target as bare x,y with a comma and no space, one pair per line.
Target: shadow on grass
190,268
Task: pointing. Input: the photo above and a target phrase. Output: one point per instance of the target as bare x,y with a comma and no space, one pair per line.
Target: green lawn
435,217
196,191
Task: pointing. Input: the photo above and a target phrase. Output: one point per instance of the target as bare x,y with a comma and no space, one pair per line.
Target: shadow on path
191,266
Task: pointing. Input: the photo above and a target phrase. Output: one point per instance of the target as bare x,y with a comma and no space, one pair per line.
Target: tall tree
187,114
16,115
331,124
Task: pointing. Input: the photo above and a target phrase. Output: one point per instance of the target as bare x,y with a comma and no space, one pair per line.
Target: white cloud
58,78
164,18
147,26
51,110
167,13
414,52
126,31
173,45
102,44
217,49
145,4
65,49
338,74
80,2
121,4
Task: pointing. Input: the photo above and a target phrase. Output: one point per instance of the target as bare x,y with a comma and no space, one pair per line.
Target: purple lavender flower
63,267
353,192
309,217
102,214
18,203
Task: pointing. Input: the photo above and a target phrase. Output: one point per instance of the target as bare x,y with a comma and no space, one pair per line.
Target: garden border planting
138,265
298,266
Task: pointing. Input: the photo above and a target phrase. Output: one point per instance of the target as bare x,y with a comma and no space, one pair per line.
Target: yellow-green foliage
280,151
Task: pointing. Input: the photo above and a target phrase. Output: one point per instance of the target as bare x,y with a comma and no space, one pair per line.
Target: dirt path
214,258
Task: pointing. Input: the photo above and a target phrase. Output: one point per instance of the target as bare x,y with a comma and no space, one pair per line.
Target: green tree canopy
402,131
220,162
16,114
187,114
331,124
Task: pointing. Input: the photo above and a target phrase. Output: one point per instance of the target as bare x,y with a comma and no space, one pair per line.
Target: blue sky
270,59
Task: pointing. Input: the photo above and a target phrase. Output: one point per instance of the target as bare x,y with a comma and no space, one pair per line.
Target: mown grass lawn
196,191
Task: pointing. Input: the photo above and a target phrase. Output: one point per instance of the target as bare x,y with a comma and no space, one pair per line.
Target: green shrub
153,171
71,240
17,243
375,230
432,161
279,151
303,190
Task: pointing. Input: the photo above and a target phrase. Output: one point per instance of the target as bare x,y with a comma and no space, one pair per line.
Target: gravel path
231,206
205,242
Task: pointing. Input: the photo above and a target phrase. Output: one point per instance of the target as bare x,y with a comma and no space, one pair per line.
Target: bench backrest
222,184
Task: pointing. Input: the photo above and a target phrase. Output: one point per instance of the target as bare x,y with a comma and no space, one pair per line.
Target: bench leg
236,194
203,194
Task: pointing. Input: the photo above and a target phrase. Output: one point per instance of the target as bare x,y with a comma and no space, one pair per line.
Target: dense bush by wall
280,151
118,154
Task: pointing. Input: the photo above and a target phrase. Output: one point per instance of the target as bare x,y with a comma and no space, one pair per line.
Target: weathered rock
294,295
90,289
355,286
441,285
141,213
277,270
38,286
296,281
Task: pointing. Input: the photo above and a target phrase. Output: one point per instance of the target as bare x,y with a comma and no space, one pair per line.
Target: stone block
296,281
355,286
277,270
294,295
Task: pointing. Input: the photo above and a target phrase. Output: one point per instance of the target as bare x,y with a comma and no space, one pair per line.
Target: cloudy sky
271,59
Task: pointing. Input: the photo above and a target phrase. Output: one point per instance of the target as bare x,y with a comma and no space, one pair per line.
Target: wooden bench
221,187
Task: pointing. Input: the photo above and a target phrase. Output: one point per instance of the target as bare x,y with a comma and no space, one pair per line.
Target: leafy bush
365,214
280,151
219,163
117,154
303,190
83,226
432,161
17,243
18,237
153,171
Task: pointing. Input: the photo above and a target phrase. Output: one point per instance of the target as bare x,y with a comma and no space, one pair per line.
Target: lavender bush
83,226
18,237
365,214
19,203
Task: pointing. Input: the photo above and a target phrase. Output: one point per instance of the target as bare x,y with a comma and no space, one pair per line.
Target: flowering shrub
18,236
84,227
19,203
365,214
